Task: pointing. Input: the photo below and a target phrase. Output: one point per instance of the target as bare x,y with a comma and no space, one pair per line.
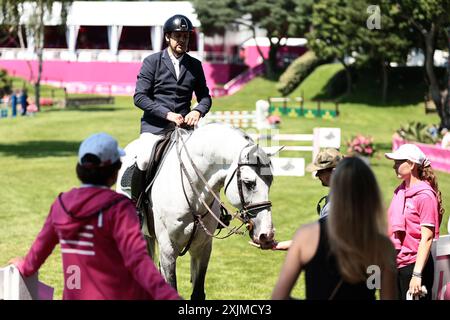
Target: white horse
223,156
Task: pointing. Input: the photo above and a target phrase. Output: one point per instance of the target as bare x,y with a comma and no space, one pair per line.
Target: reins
244,215
198,218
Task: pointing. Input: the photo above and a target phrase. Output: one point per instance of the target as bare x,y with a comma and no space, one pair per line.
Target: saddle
159,151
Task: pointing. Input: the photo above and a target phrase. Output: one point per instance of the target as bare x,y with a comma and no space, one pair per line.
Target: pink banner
104,77
439,157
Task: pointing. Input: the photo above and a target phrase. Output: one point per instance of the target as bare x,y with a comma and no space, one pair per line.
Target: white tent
114,15
121,13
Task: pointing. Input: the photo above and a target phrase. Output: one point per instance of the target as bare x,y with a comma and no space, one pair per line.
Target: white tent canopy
115,15
264,42
119,13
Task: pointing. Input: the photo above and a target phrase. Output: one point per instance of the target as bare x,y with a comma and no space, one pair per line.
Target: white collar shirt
176,63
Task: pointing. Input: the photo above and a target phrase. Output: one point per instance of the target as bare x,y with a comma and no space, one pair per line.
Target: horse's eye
250,184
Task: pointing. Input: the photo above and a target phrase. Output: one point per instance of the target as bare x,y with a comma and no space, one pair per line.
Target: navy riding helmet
178,23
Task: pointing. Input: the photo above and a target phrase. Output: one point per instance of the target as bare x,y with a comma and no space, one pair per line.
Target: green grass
316,82
246,98
38,156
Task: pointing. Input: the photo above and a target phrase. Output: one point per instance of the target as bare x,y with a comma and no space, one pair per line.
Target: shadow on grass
383,147
84,109
40,149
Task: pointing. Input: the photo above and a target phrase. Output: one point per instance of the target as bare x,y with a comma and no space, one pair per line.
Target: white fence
14,287
441,256
240,119
271,140
320,138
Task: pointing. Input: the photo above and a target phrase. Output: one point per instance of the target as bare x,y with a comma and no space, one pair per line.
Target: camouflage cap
326,159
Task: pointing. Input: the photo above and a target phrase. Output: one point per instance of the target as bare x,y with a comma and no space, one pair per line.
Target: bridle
248,211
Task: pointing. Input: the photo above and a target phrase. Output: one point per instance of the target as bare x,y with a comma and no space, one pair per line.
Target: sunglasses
179,36
319,172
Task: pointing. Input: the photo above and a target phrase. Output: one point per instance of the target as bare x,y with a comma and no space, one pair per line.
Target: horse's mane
263,157
224,126
243,134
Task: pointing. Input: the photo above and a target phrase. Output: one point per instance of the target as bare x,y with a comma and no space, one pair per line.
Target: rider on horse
164,91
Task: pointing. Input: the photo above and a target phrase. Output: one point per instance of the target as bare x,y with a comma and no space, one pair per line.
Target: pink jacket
411,209
104,254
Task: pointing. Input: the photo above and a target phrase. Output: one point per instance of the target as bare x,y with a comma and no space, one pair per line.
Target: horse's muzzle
264,241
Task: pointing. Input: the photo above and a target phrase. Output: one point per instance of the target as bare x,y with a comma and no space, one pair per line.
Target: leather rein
244,215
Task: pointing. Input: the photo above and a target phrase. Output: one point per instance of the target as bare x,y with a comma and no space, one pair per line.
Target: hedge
297,71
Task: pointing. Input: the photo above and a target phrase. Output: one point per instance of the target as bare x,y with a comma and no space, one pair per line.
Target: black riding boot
137,183
137,188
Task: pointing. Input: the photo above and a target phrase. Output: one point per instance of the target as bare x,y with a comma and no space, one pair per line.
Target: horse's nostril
264,237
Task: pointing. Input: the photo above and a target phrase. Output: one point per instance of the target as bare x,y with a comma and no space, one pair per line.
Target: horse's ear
275,152
249,154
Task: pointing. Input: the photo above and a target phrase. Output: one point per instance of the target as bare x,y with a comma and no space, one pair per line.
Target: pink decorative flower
361,145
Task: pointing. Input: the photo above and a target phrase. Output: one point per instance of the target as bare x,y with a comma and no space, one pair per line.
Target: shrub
360,145
5,83
419,132
297,71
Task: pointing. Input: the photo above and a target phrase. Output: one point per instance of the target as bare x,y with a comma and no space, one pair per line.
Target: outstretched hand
284,245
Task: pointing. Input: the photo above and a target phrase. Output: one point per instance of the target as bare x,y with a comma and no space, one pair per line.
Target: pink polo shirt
420,209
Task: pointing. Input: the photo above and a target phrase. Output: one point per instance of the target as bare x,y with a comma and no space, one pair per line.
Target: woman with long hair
347,255
415,215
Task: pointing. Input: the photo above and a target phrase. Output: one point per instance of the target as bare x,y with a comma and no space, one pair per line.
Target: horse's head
247,188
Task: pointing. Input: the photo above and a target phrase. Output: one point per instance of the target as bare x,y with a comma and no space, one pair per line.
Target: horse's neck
214,151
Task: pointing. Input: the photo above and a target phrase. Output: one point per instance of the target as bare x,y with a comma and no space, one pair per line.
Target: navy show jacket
158,91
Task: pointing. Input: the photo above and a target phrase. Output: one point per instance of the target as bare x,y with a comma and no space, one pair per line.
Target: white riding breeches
146,142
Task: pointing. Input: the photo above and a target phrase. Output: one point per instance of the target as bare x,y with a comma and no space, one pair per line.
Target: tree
431,19
386,42
336,31
39,10
302,19
216,16
277,17
368,34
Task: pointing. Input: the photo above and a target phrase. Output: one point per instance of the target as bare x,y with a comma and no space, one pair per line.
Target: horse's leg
200,256
168,259
151,248
148,231
199,264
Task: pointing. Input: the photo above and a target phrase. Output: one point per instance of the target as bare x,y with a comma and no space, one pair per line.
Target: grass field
38,156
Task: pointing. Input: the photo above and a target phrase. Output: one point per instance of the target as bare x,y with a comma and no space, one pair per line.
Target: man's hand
175,117
192,118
